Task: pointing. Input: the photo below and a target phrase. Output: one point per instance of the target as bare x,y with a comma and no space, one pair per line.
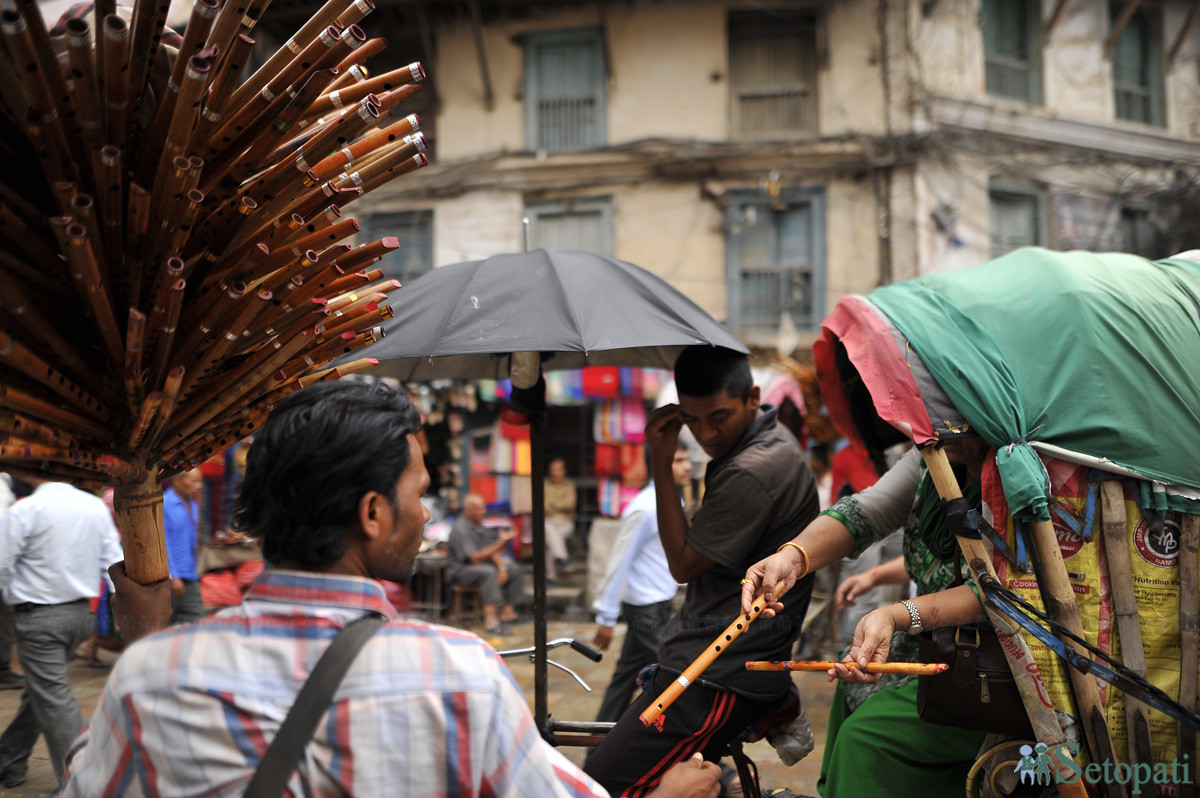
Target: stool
467,604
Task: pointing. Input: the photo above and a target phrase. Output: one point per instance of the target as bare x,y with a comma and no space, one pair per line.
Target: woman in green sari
877,744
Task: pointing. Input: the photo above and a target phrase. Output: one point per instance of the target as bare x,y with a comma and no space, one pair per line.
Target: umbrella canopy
577,308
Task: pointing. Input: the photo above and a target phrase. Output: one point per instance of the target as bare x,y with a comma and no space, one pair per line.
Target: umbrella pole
537,446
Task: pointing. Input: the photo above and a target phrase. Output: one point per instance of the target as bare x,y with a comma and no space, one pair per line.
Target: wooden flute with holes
693,671
907,668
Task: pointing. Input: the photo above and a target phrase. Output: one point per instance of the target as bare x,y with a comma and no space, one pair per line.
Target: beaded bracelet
803,555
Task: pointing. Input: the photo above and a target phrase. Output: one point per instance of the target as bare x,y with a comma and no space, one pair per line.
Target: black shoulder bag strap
314,699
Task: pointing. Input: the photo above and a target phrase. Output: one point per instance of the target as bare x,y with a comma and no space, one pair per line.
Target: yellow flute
907,668
693,671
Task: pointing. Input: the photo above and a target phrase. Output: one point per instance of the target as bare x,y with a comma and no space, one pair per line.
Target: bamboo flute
319,241
418,161
183,120
334,164
693,671
137,226
87,482
83,211
205,323
149,19
388,100
22,425
115,43
301,317
346,369
319,21
370,315
348,302
15,399
222,85
367,254
323,141
76,457
251,307
148,410
135,332
154,141
17,303
343,344
82,257
225,29
351,68
166,408
23,360
251,109
907,668
217,401
166,332
25,238
45,53
43,117
381,159
111,202
168,278
413,73
84,95
354,281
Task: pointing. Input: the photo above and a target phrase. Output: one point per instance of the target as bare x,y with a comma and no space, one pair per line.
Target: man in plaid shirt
332,486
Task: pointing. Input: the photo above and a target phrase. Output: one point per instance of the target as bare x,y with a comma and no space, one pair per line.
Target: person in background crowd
758,491
54,547
181,513
637,586
561,497
477,559
332,486
9,679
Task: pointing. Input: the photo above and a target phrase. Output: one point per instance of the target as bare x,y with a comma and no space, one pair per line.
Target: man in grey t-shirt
476,558
759,491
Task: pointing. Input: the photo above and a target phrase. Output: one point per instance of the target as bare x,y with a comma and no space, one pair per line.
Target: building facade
768,158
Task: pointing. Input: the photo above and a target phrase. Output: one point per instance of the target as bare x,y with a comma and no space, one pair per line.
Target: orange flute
907,668
693,671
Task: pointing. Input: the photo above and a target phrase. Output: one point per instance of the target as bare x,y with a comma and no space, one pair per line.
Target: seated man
333,487
758,491
476,559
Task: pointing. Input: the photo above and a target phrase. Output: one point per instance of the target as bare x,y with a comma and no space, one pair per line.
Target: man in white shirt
9,680
638,586
55,546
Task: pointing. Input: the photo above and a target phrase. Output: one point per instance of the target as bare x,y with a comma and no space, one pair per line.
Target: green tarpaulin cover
1097,353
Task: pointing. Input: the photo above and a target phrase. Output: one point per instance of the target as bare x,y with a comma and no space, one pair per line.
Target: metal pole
537,446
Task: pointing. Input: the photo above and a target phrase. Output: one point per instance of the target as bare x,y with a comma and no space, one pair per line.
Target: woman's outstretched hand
872,642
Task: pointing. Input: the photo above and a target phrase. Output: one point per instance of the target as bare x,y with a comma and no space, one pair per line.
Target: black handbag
979,691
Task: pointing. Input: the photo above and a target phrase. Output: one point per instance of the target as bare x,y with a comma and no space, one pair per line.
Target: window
414,256
1016,216
1137,68
772,74
564,91
1010,49
775,262
1136,233
582,224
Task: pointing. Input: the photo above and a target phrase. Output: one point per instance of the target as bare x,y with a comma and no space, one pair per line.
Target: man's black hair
703,370
318,453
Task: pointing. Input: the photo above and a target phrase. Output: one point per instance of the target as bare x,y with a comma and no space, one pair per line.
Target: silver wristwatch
915,627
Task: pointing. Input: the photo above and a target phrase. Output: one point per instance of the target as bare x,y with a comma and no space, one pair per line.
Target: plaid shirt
424,710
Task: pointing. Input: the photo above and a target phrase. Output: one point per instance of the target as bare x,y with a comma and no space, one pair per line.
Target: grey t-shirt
757,497
466,538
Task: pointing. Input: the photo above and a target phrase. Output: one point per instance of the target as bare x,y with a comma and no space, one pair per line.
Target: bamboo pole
1189,633
1046,727
140,518
1125,608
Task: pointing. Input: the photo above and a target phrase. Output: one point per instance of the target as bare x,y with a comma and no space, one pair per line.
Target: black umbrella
514,315
577,308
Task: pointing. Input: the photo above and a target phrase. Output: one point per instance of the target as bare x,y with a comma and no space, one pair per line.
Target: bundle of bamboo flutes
171,242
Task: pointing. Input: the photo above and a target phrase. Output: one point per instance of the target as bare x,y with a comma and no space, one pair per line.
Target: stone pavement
566,700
